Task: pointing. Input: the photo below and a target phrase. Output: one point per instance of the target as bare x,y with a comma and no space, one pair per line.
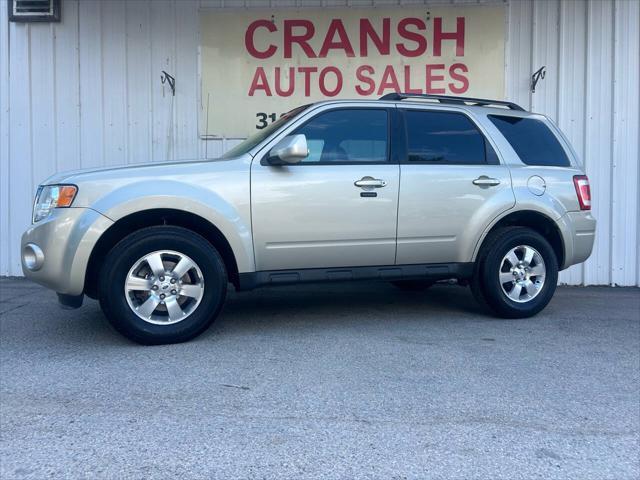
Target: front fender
229,211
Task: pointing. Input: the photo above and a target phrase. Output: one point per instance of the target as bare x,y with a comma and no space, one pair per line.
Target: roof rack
481,102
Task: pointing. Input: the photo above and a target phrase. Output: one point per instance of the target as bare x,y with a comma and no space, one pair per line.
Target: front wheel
162,285
517,273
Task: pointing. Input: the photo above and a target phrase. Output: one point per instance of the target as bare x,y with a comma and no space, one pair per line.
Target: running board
426,271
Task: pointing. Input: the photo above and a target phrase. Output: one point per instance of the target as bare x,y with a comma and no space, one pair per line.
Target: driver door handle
484,181
370,182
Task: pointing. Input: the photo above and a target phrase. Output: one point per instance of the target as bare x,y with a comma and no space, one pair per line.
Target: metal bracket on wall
536,77
166,78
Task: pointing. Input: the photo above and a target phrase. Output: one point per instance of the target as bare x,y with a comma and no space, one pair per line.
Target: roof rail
481,102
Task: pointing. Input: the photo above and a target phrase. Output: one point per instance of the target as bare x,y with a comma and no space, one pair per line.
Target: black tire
412,285
486,286
128,251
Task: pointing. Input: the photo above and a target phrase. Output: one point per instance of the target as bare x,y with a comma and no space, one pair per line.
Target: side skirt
427,271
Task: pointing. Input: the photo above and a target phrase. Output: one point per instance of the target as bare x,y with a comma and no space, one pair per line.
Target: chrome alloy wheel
522,273
164,287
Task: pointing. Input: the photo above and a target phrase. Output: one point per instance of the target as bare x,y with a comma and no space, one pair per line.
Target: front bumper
65,241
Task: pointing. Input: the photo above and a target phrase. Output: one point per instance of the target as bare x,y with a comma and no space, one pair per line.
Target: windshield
260,135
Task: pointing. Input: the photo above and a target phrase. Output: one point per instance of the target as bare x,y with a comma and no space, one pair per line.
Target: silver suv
409,189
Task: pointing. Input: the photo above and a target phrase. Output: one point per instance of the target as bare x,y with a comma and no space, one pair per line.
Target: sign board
259,64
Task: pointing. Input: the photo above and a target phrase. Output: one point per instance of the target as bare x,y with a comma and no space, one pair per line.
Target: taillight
583,191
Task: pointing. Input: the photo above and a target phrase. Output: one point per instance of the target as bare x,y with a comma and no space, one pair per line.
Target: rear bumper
55,251
579,232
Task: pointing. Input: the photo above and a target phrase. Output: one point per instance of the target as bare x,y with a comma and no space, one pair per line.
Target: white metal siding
4,143
86,92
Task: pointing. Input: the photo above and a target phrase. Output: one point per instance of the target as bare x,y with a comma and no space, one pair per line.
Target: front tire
162,285
516,274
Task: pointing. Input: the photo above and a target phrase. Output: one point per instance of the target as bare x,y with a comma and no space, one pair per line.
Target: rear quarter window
532,140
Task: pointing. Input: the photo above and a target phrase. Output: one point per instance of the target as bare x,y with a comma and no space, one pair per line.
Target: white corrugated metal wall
86,92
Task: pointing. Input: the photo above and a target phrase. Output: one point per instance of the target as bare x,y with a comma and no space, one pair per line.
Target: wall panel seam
79,76
612,95
102,117
30,105
127,130
585,103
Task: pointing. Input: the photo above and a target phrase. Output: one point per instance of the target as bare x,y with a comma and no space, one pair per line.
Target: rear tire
162,285
516,273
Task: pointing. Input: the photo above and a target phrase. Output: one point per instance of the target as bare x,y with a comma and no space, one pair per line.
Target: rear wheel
516,274
162,285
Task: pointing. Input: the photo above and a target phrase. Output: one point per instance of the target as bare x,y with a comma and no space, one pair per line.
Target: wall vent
34,10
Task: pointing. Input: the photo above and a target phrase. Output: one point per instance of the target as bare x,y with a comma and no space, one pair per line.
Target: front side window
347,136
445,138
532,140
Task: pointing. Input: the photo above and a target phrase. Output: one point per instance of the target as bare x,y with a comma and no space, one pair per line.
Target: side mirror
291,149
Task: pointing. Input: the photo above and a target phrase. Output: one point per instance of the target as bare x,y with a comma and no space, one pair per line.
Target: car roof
497,108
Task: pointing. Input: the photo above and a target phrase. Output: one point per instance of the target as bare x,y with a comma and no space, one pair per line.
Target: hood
76,176
149,179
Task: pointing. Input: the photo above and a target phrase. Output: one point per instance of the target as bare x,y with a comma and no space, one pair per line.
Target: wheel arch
155,217
537,221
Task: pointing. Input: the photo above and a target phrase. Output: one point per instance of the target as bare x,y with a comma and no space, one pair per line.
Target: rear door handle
370,182
484,181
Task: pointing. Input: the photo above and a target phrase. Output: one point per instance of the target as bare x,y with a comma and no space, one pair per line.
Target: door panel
452,187
442,212
313,216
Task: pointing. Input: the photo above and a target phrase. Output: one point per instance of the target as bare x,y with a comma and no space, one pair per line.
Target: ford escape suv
409,189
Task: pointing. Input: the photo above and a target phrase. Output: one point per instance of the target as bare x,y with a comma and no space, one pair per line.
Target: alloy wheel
164,287
522,273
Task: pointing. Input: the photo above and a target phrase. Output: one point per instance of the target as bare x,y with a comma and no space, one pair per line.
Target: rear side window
532,140
445,138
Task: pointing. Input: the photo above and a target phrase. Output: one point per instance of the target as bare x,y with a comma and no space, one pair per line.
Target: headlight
49,197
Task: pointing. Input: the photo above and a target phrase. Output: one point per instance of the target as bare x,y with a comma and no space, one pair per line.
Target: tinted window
444,138
358,135
532,140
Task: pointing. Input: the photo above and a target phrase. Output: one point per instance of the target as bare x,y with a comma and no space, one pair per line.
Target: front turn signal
66,195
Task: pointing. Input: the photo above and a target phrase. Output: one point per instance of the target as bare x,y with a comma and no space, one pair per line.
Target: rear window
532,140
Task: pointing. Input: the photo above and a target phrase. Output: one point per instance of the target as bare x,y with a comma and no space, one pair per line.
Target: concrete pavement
332,381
